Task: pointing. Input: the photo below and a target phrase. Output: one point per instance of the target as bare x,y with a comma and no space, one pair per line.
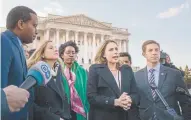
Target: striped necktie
152,81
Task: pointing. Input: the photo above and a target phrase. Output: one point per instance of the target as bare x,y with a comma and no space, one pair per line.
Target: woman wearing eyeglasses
74,80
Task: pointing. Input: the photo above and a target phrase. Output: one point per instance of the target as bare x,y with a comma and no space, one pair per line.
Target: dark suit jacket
13,68
4,106
50,101
133,113
169,80
102,90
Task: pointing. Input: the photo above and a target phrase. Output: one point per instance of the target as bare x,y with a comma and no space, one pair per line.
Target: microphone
38,74
154,87
182,91
169,110
56,66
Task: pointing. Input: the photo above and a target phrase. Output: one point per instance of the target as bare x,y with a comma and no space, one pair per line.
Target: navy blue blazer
13,68
4,106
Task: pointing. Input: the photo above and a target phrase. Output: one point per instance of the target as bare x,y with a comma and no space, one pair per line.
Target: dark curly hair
66,44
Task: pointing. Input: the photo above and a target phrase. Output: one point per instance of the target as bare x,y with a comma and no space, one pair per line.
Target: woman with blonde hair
111,88
50,101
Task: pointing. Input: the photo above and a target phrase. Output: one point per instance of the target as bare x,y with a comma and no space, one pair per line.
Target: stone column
89,48
79,46
120,46
102,38
127,45
94,45
67,35
63,38
46,34
57,36
97,41
124,46
76,37
86,48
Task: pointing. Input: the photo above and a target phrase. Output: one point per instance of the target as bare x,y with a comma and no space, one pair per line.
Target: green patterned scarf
80,85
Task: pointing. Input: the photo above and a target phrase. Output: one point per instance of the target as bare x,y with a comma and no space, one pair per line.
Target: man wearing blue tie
21,26
167,81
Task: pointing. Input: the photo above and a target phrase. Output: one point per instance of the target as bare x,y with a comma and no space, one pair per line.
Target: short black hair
125,54
18,13
66,44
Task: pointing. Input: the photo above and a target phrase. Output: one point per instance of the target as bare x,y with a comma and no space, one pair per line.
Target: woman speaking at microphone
50,101
111,88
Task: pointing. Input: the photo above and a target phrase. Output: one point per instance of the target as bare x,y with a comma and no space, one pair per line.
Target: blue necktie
151,81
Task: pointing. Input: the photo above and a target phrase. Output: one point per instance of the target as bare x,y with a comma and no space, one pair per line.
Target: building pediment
81,20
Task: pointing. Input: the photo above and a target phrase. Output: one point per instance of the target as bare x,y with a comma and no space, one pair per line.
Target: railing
120,29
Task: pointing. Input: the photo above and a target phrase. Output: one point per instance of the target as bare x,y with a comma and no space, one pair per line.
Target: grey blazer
169,80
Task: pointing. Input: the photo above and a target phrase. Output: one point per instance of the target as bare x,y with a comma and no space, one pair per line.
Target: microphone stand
170,110
154,87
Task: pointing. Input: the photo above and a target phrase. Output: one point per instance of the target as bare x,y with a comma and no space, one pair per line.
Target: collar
157,68
53,72
20,43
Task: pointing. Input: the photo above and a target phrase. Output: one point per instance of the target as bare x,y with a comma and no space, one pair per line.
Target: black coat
102,90
50,101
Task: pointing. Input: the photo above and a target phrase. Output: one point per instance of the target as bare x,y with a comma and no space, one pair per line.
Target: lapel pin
162,73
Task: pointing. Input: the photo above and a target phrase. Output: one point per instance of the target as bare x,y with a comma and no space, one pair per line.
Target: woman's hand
124,101
129,102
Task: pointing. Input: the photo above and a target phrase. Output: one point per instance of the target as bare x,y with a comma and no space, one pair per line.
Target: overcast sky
166,21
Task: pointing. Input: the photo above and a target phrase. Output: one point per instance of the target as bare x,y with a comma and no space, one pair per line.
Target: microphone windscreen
37,75
180,90
28,83
41,71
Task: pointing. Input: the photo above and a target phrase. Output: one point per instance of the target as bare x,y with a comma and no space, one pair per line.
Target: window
83,42
38,37
82,60
90,61
78,42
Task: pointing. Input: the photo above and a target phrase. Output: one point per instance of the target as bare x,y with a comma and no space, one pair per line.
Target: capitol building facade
85,31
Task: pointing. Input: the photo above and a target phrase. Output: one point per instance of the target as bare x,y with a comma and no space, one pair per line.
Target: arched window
82,60
78,42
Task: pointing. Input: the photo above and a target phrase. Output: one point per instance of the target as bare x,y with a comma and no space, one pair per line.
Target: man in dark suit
125,58
166,79
13,99
21,24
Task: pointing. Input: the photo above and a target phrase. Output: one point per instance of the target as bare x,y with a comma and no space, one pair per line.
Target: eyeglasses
70,53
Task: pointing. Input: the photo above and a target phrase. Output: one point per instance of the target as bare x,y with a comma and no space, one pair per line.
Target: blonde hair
99,58
38,54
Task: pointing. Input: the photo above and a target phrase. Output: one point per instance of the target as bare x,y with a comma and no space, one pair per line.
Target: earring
42,56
